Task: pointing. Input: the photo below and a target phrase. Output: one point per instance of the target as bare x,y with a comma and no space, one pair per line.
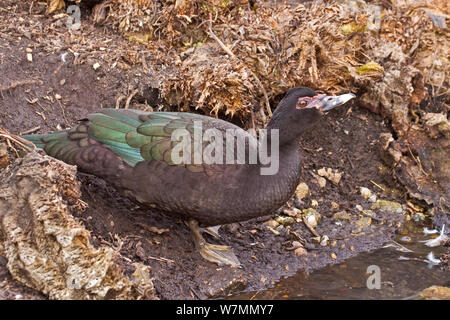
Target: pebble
364,222
342,215
29,57
292,212
324,241
297,244
302,190
418,217
312,216
322,182
332,175
388,206
333,256
300,252
284,220
271,223
405,239
275,232
365,192
369,213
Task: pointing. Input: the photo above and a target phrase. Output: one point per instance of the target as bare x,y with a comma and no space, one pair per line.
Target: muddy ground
49,94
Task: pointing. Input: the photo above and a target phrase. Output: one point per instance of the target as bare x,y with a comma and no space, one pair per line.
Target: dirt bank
59,87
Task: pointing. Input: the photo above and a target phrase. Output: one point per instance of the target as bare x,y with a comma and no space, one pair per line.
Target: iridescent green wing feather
137,136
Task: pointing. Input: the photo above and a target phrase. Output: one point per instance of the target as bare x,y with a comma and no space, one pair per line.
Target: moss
370,68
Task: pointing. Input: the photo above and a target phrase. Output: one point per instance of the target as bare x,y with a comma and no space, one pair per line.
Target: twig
127,103
63,113
417,160
12,147
144,62
350,161
161,259
32,130
231,54
13,85
119,100
16,139
378,185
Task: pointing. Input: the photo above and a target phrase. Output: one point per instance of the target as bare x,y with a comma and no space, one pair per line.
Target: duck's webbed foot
212,252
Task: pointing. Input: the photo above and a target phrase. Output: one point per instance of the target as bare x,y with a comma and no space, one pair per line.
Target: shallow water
399,279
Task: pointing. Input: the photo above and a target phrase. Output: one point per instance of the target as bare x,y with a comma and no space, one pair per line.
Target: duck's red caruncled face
323,102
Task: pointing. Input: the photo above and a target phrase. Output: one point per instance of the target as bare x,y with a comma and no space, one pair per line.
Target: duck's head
302,107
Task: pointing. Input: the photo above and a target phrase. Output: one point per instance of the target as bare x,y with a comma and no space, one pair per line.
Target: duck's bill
330,102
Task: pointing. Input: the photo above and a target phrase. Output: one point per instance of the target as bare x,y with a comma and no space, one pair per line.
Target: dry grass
231,57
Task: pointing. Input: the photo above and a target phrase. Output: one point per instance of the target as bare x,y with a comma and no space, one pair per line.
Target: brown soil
346,140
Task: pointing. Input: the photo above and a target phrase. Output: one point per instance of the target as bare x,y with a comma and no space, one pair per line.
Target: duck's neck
271,191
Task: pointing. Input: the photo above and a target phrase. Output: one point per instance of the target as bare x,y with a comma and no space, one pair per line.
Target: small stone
271,223
275,232
29,50
372,198
300,252
332,175
369,213
302,190
334,205
418,217
62,82
388,206
29,57
352,248
359,207
292,212
58,97
405,239
364,222
342,215
96,65
297,244
333,256
285,221
321,182
322,172
365,192
435,293
312,216
314,203
324,241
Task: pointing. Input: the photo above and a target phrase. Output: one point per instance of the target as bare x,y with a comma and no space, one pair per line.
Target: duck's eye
302,104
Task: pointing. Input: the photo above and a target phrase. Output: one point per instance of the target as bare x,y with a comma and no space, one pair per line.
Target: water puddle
399,278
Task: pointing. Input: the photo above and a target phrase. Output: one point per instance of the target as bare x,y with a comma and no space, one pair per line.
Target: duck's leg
213,231
212,252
